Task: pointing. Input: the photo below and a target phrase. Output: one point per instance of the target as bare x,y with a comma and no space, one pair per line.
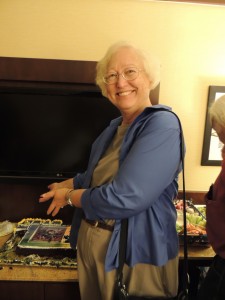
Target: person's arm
150,166
60,193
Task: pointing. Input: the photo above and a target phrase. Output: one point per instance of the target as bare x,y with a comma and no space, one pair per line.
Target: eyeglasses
128,74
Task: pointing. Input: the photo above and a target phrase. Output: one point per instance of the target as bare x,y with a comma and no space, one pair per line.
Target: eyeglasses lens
128,74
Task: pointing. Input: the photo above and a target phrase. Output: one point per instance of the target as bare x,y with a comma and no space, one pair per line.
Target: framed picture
211,152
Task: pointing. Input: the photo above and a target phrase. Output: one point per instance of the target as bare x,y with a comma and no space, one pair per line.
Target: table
198,253
35,273
197,256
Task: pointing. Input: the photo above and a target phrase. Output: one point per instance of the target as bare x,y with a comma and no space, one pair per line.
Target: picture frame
211,151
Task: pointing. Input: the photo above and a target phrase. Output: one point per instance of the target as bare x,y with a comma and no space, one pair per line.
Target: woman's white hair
150,63
217,111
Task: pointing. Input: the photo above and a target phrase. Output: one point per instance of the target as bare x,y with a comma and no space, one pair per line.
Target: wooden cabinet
61,291
11,290
21,290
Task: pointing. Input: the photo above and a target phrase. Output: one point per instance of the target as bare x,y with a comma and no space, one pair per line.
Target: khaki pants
142,279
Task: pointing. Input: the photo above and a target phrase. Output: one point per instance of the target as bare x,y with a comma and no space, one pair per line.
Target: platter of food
195,223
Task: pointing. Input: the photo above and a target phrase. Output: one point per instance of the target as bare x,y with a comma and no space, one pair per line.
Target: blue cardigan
142,190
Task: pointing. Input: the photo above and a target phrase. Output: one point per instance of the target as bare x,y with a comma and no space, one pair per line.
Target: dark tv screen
48,134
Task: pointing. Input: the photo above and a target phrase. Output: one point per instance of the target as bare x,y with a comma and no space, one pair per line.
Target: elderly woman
132,173
213,286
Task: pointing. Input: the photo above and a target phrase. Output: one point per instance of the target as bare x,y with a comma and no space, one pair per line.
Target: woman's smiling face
128,96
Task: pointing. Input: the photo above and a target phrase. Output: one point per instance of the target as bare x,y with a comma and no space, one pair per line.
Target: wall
187,38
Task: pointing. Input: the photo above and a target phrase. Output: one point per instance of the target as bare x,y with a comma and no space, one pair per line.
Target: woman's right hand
58,200
63,184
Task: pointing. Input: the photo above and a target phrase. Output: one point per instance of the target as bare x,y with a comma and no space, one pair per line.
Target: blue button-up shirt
142,190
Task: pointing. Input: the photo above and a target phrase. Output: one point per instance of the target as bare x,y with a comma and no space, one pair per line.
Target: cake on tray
45,238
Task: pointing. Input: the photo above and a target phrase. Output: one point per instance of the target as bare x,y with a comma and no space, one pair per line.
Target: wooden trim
196,196
47,70
18,72
36,273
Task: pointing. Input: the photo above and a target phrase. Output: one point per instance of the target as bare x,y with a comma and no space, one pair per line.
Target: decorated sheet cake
45,238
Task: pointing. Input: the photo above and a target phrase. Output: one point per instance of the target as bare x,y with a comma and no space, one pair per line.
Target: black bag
120,290
120,293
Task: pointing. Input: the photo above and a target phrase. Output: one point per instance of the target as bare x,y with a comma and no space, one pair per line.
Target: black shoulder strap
184,292
124,223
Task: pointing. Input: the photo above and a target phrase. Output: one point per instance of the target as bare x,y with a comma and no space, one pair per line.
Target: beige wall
188,39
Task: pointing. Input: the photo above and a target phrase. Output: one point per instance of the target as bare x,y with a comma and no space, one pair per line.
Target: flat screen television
47,133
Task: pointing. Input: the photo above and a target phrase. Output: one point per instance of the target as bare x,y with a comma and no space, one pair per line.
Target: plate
6,228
